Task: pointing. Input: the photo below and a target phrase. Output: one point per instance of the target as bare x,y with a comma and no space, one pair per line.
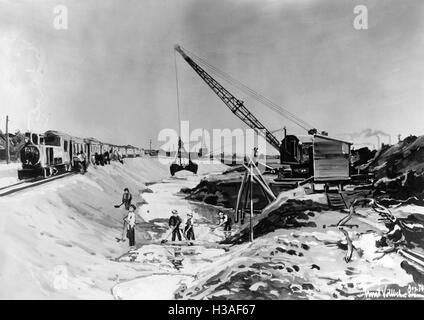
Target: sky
111,73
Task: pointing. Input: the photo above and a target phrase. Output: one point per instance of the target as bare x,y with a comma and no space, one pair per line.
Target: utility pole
150,145
251,200
7,140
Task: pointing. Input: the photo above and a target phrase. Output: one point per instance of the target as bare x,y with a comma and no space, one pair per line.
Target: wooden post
251,202
246,198
259,178
239,197
7,140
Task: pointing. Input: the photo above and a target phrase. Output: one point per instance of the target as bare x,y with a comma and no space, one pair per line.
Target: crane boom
234,104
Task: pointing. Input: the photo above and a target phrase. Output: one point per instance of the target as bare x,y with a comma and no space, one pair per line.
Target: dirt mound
294,213
408,188
391,161
208,192
306,263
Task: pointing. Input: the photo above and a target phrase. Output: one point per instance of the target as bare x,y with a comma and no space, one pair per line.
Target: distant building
151,152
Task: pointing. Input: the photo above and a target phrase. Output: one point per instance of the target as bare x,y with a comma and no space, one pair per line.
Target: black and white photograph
230,150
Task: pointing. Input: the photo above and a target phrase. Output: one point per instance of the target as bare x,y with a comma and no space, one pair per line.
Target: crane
238,108
235,105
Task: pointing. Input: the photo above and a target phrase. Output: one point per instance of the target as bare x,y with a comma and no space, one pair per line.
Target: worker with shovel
130,223
188,230
126,201
226,222
174,223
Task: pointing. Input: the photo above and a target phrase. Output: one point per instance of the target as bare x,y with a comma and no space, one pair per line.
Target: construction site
276,191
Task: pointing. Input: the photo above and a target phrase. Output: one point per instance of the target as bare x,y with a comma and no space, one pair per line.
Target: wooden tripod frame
245,194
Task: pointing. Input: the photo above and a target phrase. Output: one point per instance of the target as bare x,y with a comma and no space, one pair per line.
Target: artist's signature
411,292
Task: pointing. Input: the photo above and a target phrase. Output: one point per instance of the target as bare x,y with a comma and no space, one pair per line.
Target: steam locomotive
54,152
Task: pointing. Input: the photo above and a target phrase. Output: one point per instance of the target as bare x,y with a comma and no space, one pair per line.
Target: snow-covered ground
9,173
305,262
59,241
297,263
302,263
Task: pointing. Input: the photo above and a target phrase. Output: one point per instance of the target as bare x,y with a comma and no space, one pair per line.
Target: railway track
30,183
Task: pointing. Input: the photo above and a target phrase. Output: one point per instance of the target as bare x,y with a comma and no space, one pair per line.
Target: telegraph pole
251,200
7,140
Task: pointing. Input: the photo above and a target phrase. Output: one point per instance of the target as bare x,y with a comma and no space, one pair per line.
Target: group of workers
105,158
174,222
188,232
128,230
81,161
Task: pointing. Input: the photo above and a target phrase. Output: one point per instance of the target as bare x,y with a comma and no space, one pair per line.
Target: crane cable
265,101
178,93
259,97
251,92
178,154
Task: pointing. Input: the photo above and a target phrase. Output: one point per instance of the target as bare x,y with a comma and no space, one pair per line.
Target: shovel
167,236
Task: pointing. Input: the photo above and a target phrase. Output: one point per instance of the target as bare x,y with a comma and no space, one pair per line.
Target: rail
23,185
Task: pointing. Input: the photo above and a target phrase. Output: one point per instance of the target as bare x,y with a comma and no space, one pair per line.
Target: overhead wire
261,99
178,93
257,96
243,87
178,154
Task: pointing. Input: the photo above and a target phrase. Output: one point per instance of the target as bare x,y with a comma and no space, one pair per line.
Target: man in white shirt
130,221
188,230
81,159
226,222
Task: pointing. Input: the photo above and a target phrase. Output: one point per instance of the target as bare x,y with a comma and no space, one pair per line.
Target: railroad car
137,152
48,154
131,153
122,150
55,152
94,146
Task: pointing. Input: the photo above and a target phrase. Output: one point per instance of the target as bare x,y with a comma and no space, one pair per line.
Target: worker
112,155
93,160
96,159
188,230
100,159
80,160
226,222
120,157
107,157
83,161
174,224
126,199
129,221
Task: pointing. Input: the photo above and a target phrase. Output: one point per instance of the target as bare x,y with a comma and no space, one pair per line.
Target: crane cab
319,156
